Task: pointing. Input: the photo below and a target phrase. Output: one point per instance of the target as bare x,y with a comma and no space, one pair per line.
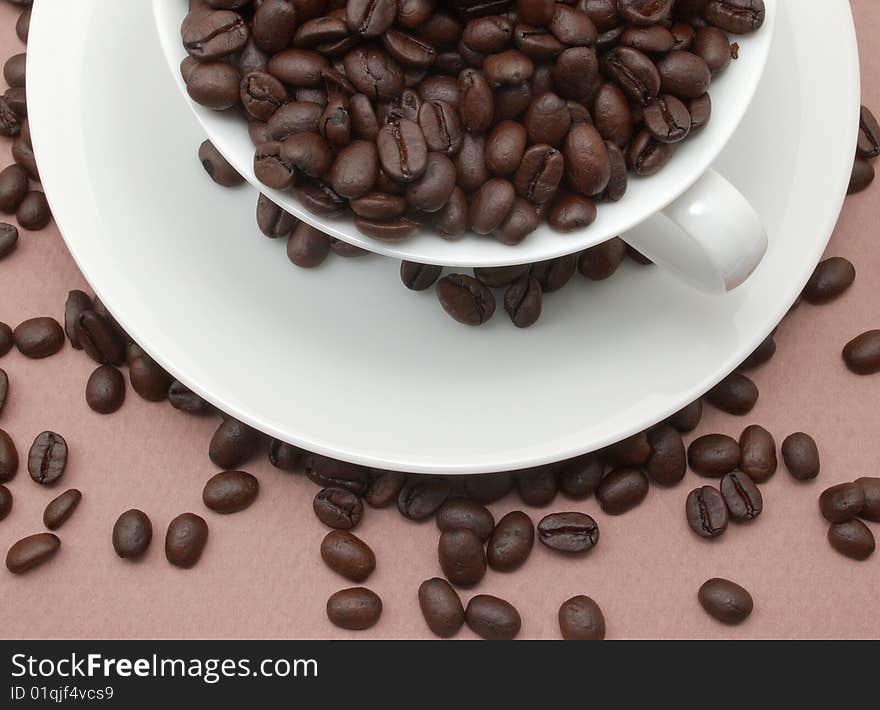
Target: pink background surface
262,576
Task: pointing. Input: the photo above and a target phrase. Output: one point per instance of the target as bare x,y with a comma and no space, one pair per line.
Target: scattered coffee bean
354,609
600,262
831,278
99,338
8,458
537,486
632,451
713,455
862,176
622,490
217,167
511,542
742,497
492,618
725,601
6,339
4,388
871,491
869,135
132,533
422,496
668,461
418,277
842,502
105,390
348,555
735,394
338,508
688,418
230,491
862,354
185,540
77,303
148,379
22,26
462,557
706,512
331,473
31,552
489,487
384,488
13,188
853,539
33,213
39,337
233,444
801,456
5,502
307,247
61,508
500,276
580,618
47,458
763,353
568,532
523,301
580,477
8,239
757,453
441,607
464,514
184,399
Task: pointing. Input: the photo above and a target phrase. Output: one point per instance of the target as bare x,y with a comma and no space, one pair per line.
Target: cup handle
710,237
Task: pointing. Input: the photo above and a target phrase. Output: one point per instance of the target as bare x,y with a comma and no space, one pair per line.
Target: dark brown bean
230,491
348,555
580,618
214,35
31,552
5,502
395,230
668,461
862,176
757,453
8,239
354,609
713,455
132,534
185,540
841,502
853,539
831,278
743,499
184,399
464,514
441,607
13,187
569,212
725,601
105,390
763,353
465,299
801,456
489,487
214,85
492,618
418,277
869,135
462,557
706,512
735,394
331,473
8,458
871,491
47,458
77,303
61,508
384,488
601,261
735,16
500,276
338,508
862,353
622,490
632,451
511,542
568,532
39,337
588,166
99,338
523,302
422,496
580,477
232,444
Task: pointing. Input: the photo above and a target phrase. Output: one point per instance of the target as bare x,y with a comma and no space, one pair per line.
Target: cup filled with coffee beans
479,134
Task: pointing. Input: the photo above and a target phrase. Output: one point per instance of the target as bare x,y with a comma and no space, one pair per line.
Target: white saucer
342,359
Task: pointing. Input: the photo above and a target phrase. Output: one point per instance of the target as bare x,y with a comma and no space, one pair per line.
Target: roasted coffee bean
580,618
274,24
5,502
509,68
612,114
214,85
505,148
576,73
667,119
489,487
537,486
763,353
402,150
646,156
634,72
491,205
230,491
735,394
292,118
355,169
523,302
853,539
23,25
462,557
571,26
273,221
8,458
712,45
580,477
309,153
441,127
373,72
47,458
465,299
869,135
488,35
99,338
13,187
320,30
492,618
31,552
4,388
684,74
271,169
668,461
441,607
522,220
831,278
185,540
801,456
384,488
348,555
61,508
379,205
354,609
395,230
841,502
23,154
232,444
464,514
77,303
410,51
537,42
713,455
570,212
500,276
418,277
758,453
539,173
535,12
511,542
105,390
735,16
619,181
871,491
261,94
331,473
476,103
33,213
338,508
654,39
568,532
706,512
622,490
214,35
299,67
284,456
184,399
725,601
6,339
440,88
451,221
371,18
632,451
470,163
8,239
862,176
148,379
862,353
422,496
546,120
38,337
132,534
307,247
430,192
10,123
741,495
217,167
601,261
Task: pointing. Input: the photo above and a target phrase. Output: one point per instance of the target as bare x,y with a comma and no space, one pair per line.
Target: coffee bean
6,339
13,188
841,502
441,607
580,477
354,609
713,455
735,16
668,461
432,190
22,26
831,278
403,152
489,487
39,337
384,488
8,458
801,456
307,247
633,72
706,512
500,276
568,532
870,487
395,230
667,119
537,486
462,557
348,555
492,618
31,552
185,540
523,302
862,176
418,277
539,173
214,35
99,338
355,169
77,303
148,379
632,451
214,85
539,44
580,618
230,491
370,18
646,156
735,394
373,72
23,155
869,135
654,39
8,239
232,444
4,388
379,206
105,390
476,104
61,508
763,353
588,167
622,490
10,123
132,534
862,353
571,26
601,261
570,212
217,167
422,496
725,601
5,502
576,73
853,539
330,473
511,542
184,399
758,453
553,274
464,514
47,458
465,299
742,497
338,508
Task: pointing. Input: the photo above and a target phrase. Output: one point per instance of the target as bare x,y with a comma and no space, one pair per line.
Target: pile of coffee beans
844,506
480,116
